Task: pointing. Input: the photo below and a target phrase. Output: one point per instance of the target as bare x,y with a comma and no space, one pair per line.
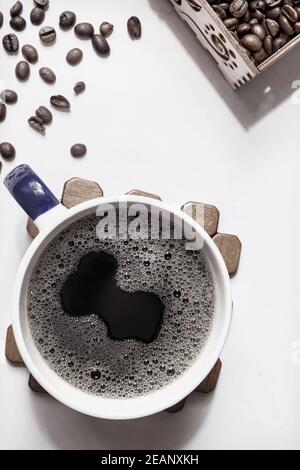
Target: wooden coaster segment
208,217
75,191
11,349
138,192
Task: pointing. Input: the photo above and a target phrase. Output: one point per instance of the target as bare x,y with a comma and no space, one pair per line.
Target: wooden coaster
75,191
78,190
138,192
11,349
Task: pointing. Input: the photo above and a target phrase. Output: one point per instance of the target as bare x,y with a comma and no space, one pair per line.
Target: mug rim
18,297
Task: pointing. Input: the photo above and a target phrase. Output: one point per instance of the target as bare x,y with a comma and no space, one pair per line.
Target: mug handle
31,194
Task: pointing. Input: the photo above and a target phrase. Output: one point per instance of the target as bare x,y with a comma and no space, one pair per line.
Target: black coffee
119,318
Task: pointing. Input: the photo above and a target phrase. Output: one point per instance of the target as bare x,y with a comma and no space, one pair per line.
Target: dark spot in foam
92,289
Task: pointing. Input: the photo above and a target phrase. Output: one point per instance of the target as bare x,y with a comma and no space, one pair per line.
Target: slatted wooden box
236,66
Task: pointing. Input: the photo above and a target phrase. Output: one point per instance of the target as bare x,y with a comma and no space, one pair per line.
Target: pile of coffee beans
47,35
261,27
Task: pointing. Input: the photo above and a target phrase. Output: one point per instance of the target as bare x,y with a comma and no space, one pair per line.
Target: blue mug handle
30,192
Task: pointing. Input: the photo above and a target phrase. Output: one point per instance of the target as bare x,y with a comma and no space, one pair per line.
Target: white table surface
159,116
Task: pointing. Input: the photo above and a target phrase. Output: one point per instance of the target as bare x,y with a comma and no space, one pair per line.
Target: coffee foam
79,350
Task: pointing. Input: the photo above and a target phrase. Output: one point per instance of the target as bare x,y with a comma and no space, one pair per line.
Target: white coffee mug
51,218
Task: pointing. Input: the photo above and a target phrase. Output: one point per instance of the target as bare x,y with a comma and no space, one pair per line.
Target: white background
159,116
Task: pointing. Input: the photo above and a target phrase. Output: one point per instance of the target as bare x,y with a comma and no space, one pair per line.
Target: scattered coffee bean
22,70
47,35
47,75
44,114
60,102
2,112
134,27
219,11
74,56
84,30
37,124
9,96
7,151
30,53
42,3
67,20
18,23
37,16
1,19
16,9
278,43
297,27
252,42
78,150
10,43
100,45
106,29
79,88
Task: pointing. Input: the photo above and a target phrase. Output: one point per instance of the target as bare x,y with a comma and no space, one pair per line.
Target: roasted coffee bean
278,43
252,42
74,56
84,30
246,51
67,19
78,150
37,124
30,53
134,28
297,8
106,29
285,25
268,44
16,9
7,151
243,28
100,45
272,27
44,114
10,43
9,96
258,15
22,70
290,13
272,3
37,16
2,112
273,13
259,56
18,23
47,34
253,21
1,19
47,75
60,102
259,5
231,23
219,11
297,27
238,8
42,3
79,88
259,31
247,17
225,6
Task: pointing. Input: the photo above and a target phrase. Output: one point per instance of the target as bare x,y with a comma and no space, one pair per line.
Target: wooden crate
217,39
